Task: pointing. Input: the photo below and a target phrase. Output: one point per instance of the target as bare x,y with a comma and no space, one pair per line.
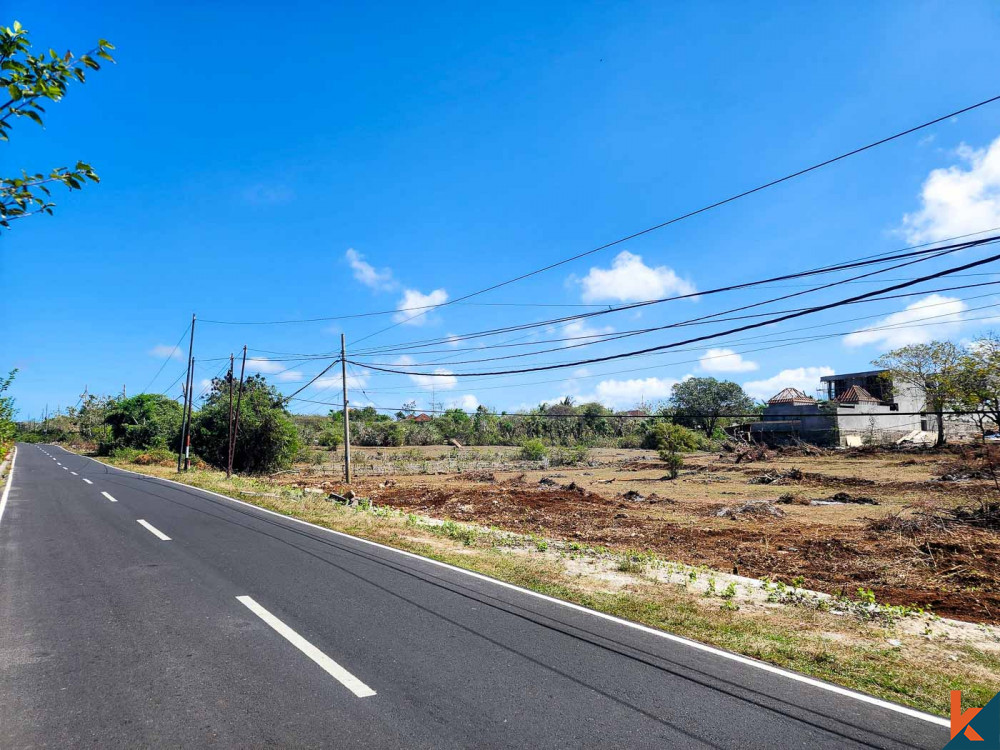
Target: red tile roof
791,396
857,395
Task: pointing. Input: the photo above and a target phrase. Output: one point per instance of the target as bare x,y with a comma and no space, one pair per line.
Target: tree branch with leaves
30,81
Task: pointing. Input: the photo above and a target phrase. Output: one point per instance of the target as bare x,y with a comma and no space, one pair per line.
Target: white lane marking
88,481
64,468
745,660
10,481
153,530
115,501
58,464
74,474
337,672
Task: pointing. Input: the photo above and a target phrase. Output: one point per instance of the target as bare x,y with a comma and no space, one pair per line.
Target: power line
701,210
909,252
749,326
684,415
166,359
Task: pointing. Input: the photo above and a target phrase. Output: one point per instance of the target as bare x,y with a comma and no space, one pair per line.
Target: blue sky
244,149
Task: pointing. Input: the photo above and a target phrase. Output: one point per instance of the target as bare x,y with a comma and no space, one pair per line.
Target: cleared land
621,500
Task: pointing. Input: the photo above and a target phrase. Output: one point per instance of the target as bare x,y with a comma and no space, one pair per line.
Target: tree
932,367
148,420
30,80
267,438
7,413
979,380
702,402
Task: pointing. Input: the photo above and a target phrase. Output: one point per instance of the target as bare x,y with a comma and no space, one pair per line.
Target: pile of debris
762,509
633,496
772,476
842,498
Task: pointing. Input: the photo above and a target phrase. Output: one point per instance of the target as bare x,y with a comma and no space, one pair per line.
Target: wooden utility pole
236,426
188,398
229,451
347,411
187,432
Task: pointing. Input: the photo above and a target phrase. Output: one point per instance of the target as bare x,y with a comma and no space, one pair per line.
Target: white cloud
413,299
582,333
631,280
468,402
959,200
444,381
453,340
806,379
932,306
264,365
628,394
163,351
355,381
367,274
725,360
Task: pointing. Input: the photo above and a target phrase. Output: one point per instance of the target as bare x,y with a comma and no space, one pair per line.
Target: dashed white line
65,468
87,481
74,474
337,672
109,497
153,530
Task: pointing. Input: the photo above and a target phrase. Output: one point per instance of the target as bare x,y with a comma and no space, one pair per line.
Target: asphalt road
113,636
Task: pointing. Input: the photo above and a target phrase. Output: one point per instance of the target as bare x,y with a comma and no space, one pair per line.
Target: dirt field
621,500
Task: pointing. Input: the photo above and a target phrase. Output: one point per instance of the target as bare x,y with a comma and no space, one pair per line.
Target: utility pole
187,431
124,392
236,427
229,452
188,398
347,411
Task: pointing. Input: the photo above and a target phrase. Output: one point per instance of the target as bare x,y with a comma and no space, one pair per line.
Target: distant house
421,418
634,413
860,407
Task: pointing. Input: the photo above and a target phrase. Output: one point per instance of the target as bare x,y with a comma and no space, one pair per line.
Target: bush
155,456
533,450
267,439
671,441
145,421
667,435
570,456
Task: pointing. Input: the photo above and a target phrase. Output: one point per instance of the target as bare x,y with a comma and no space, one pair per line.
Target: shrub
570,456
678,438
533,450
148,420
267,438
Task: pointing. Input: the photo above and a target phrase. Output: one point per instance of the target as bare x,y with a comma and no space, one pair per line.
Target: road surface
135,612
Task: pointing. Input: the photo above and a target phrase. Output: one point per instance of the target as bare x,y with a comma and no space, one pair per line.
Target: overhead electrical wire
663,347
167,359
910,252
705,319
698,211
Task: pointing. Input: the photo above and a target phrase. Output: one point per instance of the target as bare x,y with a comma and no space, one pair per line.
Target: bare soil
622,500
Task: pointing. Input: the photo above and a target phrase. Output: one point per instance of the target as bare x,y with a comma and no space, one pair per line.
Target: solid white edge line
745,660
87,481
153,530
337,672
109,497
10,481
